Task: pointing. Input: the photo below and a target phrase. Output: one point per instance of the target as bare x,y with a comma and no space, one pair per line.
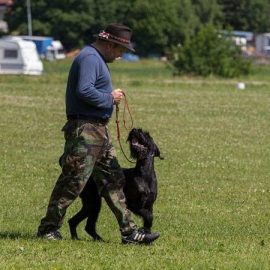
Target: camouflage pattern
88,150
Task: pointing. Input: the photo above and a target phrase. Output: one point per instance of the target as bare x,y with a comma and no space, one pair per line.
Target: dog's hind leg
75,220
89,197
93,212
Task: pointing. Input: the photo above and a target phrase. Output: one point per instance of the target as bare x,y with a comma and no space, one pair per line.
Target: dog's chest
141,184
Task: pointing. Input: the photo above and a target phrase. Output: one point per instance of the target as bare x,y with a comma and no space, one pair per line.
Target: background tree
246,15
150,22
67,20
208,11
156,24
160,24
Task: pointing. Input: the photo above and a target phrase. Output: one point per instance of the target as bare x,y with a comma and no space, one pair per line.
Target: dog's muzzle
138,150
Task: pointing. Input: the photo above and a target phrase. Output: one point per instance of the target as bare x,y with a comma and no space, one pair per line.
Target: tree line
157,24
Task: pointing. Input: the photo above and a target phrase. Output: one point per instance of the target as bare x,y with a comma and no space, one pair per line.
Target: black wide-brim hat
117,33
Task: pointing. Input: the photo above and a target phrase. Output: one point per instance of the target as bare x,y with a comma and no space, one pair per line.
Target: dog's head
142,145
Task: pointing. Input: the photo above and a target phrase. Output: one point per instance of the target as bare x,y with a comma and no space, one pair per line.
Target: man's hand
117,96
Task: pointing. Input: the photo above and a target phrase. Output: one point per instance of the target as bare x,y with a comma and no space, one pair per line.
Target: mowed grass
213,205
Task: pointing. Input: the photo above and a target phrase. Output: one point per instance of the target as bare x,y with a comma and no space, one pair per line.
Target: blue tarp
130,57
42,43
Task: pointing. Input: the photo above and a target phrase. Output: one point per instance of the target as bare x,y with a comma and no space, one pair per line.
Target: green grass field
213,206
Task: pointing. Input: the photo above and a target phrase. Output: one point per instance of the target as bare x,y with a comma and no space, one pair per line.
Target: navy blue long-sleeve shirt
89,86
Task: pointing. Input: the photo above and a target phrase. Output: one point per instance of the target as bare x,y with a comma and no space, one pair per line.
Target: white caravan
263,44
55,51
18,56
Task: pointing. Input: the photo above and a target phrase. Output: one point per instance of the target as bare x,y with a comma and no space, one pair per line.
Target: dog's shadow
16,235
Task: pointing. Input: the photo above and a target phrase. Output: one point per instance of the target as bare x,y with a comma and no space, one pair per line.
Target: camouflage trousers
88,151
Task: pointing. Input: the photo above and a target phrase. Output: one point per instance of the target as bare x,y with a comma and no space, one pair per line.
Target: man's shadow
16,235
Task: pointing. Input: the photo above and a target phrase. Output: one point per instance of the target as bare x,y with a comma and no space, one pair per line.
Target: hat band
107,35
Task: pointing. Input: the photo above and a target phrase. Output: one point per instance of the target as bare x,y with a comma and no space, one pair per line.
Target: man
88,148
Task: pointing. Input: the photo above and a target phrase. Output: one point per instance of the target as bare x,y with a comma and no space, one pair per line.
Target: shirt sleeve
88,74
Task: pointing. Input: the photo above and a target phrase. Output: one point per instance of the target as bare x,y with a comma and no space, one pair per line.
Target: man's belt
89,119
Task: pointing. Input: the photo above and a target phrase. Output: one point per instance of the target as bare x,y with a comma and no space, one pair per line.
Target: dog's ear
157,152
130,134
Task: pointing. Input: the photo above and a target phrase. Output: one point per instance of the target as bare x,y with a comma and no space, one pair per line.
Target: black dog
140,187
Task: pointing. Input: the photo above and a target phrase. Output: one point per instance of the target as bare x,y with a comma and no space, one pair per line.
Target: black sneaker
137,237
53,235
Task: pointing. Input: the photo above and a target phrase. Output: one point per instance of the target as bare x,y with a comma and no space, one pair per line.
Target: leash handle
126,106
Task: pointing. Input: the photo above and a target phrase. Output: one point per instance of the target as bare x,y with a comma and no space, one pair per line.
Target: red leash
126,106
